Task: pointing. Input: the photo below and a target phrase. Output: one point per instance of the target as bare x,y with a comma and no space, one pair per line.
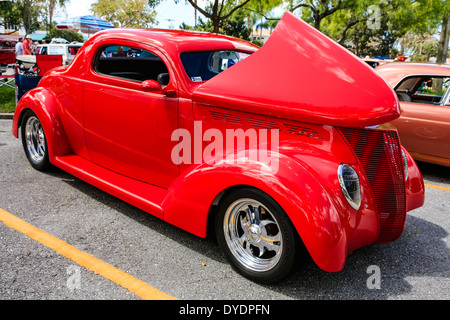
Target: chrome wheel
35,139
253,235
256,235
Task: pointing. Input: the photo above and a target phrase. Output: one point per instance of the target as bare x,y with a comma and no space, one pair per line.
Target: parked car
424,125
67,50
374,62
214,136
7,46
7,54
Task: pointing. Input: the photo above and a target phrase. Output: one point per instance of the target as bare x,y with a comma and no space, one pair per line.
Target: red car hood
303,75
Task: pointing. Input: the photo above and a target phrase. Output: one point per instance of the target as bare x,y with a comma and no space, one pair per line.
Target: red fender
304,200
46,106
415,187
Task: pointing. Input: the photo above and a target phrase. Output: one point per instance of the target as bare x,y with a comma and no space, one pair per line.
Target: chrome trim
405,164
354,204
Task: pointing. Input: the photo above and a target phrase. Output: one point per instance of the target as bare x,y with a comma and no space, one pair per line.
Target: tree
51,5
314,11
443,41
442,10
126,13
219,10
234,26
21,13
69,35
433,13
262,25
375,27
30,10
420,46
10,15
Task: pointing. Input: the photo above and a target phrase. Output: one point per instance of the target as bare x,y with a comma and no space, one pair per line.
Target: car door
127,129
424,125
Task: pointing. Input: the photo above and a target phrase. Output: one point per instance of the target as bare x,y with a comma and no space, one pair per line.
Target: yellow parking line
138,287
437,187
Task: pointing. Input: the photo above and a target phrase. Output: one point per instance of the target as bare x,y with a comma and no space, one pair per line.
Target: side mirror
151,86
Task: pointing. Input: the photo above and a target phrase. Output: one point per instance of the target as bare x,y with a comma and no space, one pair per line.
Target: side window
423,89
131,64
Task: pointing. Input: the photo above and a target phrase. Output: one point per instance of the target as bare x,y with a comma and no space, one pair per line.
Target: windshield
56,50
202,66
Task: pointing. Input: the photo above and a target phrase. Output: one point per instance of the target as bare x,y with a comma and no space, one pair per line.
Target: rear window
203,66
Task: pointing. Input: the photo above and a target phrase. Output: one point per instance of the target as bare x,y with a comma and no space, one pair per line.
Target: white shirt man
19,47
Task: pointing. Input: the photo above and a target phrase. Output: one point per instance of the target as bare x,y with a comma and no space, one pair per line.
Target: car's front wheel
34,141
256,236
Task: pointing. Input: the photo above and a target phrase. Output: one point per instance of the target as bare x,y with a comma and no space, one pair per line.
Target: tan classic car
424,94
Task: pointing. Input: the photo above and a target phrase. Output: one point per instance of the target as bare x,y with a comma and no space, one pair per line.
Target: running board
142,195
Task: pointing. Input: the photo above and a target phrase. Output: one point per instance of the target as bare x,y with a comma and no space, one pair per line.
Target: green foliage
126,13
418,58
375,27
154,3
263,7
48,10
314,11
23,13
440,11
420,44
259,43
7,100
366,27
10,13
69,35
234,26
404,26
218,11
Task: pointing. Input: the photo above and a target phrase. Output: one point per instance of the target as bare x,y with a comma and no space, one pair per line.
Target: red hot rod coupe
148,115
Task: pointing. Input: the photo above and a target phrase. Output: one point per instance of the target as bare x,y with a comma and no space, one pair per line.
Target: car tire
256,236
34,142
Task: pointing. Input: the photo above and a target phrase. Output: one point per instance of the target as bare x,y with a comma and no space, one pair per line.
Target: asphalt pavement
180,265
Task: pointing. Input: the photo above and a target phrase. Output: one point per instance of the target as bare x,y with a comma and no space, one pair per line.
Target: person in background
34,47
27,45
19,47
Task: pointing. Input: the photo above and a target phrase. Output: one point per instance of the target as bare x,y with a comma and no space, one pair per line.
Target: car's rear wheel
34,141
256,236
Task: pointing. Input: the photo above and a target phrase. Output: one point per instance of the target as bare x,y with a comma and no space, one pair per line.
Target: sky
169,13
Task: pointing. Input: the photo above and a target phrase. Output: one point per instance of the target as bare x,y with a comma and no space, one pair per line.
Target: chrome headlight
405,163
349,182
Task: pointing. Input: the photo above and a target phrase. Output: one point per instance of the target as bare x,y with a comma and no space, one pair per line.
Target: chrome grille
379,153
